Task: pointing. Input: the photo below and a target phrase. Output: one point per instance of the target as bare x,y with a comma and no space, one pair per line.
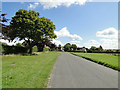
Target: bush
53,49
46,49
13,49
109,51
35,49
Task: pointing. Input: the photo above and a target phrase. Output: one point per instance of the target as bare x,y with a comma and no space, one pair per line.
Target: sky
77,22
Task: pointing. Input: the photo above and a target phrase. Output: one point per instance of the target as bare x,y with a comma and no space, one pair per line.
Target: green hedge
13,49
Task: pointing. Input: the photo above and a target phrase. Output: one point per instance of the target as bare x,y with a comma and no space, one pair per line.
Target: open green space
101,58
27,71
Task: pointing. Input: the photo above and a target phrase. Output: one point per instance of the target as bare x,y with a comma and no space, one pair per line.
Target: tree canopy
74,46
28,26
67,47
4,28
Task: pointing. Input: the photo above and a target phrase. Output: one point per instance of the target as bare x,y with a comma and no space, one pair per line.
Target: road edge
106,65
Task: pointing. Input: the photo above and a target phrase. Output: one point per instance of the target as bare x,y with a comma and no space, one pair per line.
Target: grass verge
27,71
101,58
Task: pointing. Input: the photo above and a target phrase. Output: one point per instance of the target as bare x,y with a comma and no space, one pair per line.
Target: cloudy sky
78,21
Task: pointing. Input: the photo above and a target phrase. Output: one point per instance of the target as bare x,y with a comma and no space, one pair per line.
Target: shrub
53,49
13,49
46,49
35,49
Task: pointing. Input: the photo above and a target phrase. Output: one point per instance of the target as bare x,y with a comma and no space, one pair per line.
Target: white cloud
109,38
65,33
57,42
33,6
92,43
105,43
47,4
75,37
109,43
108,33
14,42
62,33
75,42
78,45
57,0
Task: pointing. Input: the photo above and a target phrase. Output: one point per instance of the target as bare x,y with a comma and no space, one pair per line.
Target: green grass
27,71
101,58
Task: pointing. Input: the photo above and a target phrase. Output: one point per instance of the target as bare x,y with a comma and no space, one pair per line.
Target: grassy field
101,58
27,71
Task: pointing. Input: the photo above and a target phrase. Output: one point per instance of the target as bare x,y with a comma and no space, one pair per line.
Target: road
75,72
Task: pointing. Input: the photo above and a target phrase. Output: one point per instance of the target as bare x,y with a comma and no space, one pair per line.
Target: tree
93,48
109,51
59,47
28,26
100,48
74,46
67,47
4,28
3,18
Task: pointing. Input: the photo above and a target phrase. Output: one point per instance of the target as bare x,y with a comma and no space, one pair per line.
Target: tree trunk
30,45
30,50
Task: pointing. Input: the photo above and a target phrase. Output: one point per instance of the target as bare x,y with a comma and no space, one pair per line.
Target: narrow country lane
75,72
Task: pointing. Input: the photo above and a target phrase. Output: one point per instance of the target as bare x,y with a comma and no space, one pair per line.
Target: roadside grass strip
101,58
27,71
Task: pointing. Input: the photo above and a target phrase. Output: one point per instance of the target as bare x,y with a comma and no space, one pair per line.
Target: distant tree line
73,48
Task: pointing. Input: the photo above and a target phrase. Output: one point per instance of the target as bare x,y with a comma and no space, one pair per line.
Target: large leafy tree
74,46
67,47
101,48
28,26
59,47
93,48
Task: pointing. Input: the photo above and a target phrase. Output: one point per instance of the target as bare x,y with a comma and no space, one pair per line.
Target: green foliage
101,58
46,49
53,47
59,47
19,44
13,49
27,71
67,47
92,48
29,26
35,49
74,46
109,50
101,49
2,47
4,44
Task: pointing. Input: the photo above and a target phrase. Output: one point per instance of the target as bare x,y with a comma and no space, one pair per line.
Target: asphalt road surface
75,72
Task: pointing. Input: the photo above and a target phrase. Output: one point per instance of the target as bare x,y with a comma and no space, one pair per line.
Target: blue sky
89,24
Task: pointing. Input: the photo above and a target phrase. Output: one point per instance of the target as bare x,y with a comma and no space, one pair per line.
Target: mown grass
27,71
101,58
